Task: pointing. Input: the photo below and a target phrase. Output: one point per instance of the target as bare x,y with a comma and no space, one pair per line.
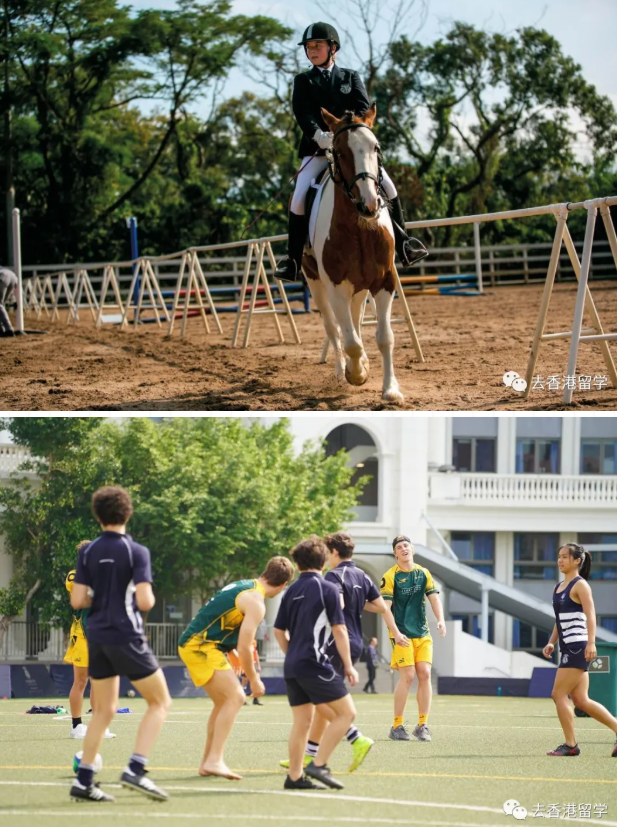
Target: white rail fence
164,286
30,641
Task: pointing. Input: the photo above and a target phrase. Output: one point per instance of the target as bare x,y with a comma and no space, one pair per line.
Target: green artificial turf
484,751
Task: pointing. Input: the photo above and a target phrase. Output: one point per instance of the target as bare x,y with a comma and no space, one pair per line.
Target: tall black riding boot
409,250
290,268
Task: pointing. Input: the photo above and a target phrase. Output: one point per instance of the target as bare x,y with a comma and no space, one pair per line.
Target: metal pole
19,320
131,223
478,254
10,206
484,615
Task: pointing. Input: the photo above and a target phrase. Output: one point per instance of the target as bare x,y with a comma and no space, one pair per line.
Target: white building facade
505,492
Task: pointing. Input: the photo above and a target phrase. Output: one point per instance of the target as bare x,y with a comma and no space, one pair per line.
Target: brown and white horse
353,252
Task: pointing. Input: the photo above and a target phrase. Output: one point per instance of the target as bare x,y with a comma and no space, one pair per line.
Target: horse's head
356,159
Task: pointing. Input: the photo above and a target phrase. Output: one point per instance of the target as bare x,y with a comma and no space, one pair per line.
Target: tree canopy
99,123
214,499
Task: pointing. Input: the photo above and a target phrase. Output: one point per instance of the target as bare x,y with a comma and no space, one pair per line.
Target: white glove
323,139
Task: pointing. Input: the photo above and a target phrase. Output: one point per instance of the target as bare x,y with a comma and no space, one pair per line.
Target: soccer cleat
78,731
324,775
614,752
361,748
257,702
91,793
564,749
306,761
303,783
399,733
109,734
421,732
142,784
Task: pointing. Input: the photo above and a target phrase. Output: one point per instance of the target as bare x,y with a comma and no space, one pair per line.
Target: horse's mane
351,117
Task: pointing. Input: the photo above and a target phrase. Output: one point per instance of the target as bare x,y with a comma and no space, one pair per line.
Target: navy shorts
134,660
315,690
337,663
573,657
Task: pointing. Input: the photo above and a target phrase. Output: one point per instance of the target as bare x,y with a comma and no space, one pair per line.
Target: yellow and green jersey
79,626
218,621
406,591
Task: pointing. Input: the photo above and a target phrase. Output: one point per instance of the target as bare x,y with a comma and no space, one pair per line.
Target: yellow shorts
203,661
77,653
419,650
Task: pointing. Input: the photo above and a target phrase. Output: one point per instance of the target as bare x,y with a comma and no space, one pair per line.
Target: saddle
311,202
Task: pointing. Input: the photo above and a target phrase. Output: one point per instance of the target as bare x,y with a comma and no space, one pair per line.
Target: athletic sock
398,721
85,775
352,734
76,722
311,749
422,719
137,764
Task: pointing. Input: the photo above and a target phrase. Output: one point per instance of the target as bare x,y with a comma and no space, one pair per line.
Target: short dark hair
340,541
279,570
112,505
310,554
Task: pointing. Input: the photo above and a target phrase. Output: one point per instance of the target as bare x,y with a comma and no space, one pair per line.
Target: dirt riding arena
468,343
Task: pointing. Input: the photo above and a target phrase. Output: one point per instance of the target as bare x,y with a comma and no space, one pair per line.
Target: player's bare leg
228,698
423,697
302,720
344,716
154,691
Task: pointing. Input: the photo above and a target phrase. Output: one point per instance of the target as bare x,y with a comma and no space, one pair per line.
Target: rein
337,173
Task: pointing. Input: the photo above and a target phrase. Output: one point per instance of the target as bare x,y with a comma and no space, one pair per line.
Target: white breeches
312,169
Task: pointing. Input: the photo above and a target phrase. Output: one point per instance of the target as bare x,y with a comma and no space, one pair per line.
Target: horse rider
338,91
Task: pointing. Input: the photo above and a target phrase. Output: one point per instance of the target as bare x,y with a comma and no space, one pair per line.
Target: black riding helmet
321,31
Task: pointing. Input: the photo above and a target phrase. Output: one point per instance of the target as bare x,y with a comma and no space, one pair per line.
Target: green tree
213,498
488,97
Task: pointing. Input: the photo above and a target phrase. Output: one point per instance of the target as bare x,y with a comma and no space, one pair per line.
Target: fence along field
205,282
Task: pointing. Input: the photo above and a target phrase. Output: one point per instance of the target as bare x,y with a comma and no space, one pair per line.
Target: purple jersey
357,588
111,565
308,610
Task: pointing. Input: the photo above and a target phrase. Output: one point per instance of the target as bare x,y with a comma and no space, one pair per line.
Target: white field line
316,795
241,817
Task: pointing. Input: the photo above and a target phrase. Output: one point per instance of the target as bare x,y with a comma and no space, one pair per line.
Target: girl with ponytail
575,626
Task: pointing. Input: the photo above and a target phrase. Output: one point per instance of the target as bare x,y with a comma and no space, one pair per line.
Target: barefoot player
229,621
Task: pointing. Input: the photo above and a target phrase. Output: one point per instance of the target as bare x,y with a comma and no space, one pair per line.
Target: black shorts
573,658
315,690
133,660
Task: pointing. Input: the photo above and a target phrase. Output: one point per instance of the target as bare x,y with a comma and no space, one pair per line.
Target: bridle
337,173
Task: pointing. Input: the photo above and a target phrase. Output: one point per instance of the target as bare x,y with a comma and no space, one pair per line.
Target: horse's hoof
359,379
394,397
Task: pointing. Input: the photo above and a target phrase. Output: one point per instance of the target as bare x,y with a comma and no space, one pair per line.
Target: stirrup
411,251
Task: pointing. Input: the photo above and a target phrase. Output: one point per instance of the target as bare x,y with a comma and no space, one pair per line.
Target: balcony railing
27,641
524,489
11,457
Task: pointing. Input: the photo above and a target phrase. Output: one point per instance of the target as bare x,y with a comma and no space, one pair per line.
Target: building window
537,456
476,550
528,639
473,454
608,622
603,563
472,625
362,456
535,556
598,456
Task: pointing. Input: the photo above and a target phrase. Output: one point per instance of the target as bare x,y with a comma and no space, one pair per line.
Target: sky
586,30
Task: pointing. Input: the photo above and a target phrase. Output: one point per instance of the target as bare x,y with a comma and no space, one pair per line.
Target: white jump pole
19,320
